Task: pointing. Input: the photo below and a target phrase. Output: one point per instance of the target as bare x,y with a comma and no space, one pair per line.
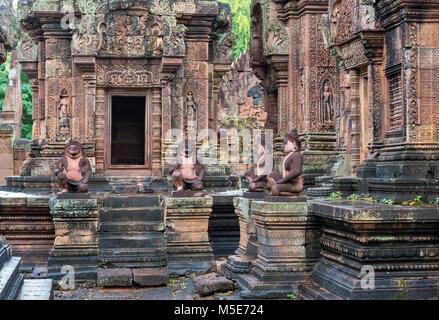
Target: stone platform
26,223
187,239
287,250
76,242
399,244
115,184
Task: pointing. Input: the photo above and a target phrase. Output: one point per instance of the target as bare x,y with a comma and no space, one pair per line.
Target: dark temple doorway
128,130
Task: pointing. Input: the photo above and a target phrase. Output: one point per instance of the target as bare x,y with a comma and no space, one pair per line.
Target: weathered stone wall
241,96
6,152
386,129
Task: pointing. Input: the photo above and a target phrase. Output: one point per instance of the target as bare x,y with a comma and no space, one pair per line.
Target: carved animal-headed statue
290,182
70,167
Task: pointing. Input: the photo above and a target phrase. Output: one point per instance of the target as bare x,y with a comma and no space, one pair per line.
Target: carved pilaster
35,110
100,130
156,132
279,64
376,114
356,118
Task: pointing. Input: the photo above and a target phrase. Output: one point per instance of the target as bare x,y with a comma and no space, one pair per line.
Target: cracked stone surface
177,289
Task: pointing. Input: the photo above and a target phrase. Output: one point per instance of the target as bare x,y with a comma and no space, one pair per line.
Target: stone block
208,284
254,195
115,277
72,195
270,198
150,277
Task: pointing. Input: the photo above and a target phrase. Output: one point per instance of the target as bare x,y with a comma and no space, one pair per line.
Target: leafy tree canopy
241,25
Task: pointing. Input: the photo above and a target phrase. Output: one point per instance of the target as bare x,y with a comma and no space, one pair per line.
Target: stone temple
356,81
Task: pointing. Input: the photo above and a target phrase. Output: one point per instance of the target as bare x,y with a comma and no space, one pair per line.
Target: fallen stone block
150,277
209,283
115,277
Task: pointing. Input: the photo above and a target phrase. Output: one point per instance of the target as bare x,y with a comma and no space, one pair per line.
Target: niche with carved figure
326,110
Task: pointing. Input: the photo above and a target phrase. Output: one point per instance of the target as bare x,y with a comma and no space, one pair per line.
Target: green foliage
26,126
240,24
387,201
370,199
353,197
335,195
292,296
4,72
418,199
239,123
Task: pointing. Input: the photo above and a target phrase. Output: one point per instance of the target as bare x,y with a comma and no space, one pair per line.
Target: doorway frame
128,170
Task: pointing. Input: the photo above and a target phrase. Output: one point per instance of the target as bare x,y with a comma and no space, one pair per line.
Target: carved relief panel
127,73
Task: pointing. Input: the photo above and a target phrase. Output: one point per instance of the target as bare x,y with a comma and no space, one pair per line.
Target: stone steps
131,201
131,233
12,283
323,187
36,289
5,254
319,192
146,214
312,291
131,226
10,279
128,239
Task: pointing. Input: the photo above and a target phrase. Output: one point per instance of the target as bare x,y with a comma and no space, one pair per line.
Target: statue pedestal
286,249
72,196
254,195
187,240
395,246
298,198
241,262
187,194
76,238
